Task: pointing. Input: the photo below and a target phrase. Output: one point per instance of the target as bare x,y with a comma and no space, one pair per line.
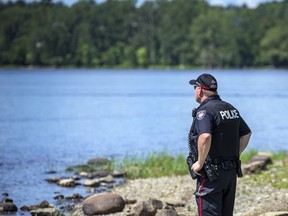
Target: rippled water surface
51,119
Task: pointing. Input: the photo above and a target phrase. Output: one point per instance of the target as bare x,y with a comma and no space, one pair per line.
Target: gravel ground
251,199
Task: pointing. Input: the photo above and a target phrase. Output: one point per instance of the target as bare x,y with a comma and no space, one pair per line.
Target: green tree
274,47
214,39
142,56
174,22
165,32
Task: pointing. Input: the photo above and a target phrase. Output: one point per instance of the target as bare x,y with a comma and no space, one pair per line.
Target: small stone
75,196
76,178
5,194
145,208
99,174
59,197
67,183
43,204
53,180
175,203
44,212
118,174
83,174
156,203
25,208
107,179
91,183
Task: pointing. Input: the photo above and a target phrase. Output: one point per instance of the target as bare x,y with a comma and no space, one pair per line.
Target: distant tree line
117,33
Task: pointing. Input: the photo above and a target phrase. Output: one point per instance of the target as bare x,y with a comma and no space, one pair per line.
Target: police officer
222,135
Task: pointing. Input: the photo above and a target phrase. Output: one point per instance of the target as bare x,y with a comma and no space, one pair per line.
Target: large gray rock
254,167
104,203
257,164
265,158
8,207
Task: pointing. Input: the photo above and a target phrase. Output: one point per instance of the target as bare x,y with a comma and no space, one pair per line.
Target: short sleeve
243,129
204,122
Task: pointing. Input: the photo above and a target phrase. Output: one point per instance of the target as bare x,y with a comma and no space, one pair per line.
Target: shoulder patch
201,114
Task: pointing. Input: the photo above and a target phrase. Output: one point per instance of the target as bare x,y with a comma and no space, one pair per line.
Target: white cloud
249,3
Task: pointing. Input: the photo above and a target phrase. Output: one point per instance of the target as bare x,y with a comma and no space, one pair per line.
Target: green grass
92,167
163,164
154,165
276,174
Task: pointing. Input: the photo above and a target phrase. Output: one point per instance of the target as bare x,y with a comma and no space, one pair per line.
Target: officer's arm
244,142
204,143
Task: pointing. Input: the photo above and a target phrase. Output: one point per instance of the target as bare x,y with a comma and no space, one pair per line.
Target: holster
239,169
190,162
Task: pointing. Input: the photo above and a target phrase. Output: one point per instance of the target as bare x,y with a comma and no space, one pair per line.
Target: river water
52,119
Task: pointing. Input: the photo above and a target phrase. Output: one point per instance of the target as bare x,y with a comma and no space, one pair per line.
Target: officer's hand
196,167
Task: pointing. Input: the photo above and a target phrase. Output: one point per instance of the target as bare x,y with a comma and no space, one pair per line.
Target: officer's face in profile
197,93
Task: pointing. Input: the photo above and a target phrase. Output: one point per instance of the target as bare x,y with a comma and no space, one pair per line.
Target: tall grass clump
247,155
154,165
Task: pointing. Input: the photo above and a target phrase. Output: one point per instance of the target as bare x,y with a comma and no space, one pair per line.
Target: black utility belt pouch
211,171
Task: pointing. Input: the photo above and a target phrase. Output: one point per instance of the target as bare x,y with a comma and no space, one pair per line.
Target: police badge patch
201,114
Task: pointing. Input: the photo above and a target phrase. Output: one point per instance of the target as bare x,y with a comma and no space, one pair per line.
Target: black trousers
216,198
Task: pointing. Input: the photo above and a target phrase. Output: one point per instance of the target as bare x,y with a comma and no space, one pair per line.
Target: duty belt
228,165
225,164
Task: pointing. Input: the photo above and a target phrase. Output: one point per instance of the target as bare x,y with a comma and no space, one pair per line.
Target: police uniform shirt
206,120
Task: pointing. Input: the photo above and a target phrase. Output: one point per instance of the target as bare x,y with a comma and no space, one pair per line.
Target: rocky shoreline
177,191
170,195
175,195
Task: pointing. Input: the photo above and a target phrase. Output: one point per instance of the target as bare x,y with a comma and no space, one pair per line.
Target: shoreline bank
177,191
258,192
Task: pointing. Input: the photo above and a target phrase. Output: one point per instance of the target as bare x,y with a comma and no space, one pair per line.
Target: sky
249,3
